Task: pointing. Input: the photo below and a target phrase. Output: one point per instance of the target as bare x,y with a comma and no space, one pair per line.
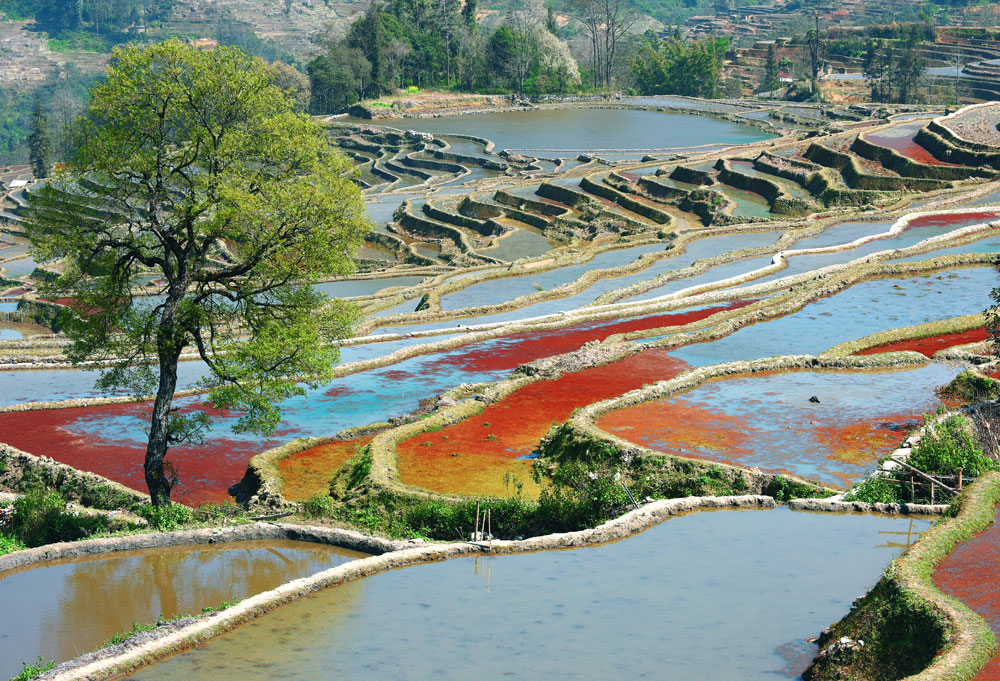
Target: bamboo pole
924,475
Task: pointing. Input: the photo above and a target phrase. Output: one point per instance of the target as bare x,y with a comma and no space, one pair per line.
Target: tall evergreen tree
770,82
40,144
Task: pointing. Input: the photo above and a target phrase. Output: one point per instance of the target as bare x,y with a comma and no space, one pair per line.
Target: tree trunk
169,348
156,478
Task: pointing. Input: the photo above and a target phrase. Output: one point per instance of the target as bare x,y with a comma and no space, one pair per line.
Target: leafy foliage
40,143
165,518
10,544
100,17
877,490
40,517
32,671
677,67
192,165
122,636
948,446
319,506
422,43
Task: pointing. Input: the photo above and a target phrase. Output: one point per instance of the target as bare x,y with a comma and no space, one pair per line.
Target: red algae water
972,575
928,345
473,456
511,351
768,421
204,477
901,138
108,440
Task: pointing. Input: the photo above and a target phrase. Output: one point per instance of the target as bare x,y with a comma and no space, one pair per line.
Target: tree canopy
678,67
192,166
438,43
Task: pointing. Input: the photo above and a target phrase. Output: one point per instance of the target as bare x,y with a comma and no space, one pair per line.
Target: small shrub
122,636
40,518
948,446
165,518
9,544
319,506
31,671
208,513
876,490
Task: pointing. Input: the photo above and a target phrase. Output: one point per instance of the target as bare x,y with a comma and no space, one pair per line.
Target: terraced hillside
721,304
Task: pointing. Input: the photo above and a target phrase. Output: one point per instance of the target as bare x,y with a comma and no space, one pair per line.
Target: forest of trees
439,43
894,71
680,67
104,18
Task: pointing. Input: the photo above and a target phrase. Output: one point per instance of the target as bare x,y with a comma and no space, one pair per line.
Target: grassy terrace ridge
910,628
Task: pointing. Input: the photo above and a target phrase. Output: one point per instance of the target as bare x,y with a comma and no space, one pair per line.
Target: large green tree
193,166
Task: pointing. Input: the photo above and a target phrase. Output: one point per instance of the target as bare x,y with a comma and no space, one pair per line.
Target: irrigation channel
730,288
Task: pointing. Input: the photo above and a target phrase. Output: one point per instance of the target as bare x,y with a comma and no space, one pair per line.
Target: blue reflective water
798,264
576,129
713,274
692,598
363,287
696,250
500,290
858,311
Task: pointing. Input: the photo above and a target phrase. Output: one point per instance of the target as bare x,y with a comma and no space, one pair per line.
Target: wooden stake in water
475,530
489,531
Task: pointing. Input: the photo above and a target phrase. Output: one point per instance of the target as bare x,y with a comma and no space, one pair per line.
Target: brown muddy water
67,608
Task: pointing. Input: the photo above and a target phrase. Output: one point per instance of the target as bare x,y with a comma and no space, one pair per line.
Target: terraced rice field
519,292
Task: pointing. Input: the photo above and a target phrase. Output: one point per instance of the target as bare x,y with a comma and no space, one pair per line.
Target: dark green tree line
677,67
438,43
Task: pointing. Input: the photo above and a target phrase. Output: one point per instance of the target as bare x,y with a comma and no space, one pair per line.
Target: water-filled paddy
901,138
71,607
109,439
923,228
349,288
15,269
682,600
498,290
856,312
577,129
768,421
696,250
472,458
524,242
